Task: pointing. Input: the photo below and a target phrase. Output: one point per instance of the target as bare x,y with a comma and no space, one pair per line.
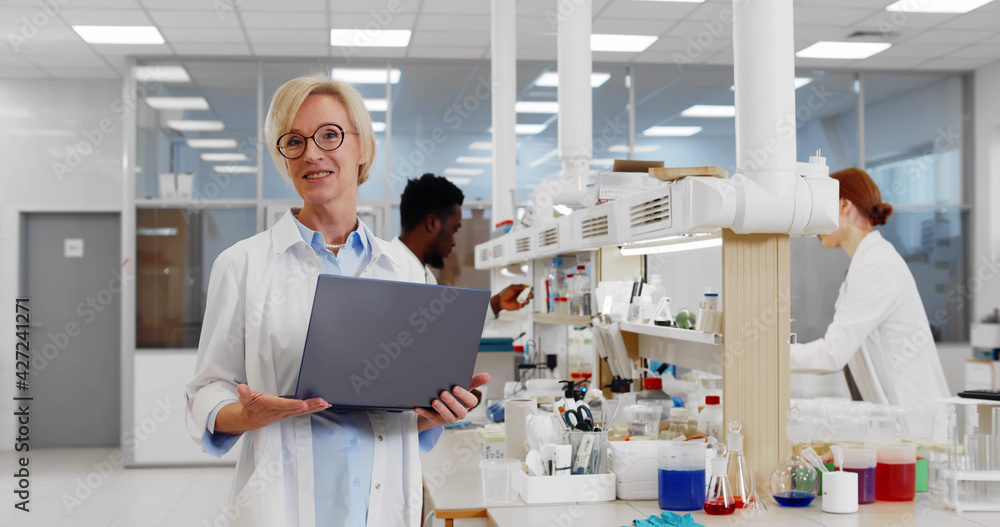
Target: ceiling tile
892,22
950,36
176,35
648,10
105,17
448,52
57,60
534,24
873,4
545,7
24,71
74,72
202,5
365,21
381,7
820,63
995,39
454,38
288,36
467,7
978,19
435,22
912,49
976,51
37,46
830,16
187,18
657,57
611,56
813,33
263,19
284,7
954,64
205,48
889,63
529,40
713,11
535,54
620,26
114,49
92,4
291,50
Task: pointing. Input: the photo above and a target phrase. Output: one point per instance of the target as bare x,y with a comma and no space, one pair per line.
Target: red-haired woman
880,329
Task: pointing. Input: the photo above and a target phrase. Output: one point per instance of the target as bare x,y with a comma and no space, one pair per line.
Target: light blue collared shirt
343,443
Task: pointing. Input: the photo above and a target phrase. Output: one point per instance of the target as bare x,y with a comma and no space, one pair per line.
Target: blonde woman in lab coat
298,467
880,329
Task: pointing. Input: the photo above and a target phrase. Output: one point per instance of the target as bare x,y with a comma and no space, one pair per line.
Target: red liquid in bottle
719,507
739,502
895,482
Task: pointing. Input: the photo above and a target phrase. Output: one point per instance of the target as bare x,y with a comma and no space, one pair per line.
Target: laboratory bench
453,488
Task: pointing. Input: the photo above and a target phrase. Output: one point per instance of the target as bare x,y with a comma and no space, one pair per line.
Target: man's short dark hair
428,196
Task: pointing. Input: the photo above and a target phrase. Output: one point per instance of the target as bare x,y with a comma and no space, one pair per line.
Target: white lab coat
880,331
429,277
259,301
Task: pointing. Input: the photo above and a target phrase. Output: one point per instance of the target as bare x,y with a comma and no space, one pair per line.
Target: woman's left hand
452,406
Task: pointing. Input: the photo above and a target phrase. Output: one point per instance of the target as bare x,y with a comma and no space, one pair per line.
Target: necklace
342,245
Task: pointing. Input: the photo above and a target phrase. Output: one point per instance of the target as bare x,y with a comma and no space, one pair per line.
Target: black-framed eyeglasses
328,137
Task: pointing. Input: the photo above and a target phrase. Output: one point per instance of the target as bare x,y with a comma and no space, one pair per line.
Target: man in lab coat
430,212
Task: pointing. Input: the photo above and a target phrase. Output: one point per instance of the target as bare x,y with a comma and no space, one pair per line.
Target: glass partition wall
205,179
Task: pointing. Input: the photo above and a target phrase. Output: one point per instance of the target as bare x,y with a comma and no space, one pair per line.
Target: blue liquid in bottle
794,498
682,490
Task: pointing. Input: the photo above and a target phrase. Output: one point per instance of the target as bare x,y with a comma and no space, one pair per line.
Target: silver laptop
378,344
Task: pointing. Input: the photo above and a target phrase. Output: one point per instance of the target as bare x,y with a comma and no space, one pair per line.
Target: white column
764,67
503,67
575,96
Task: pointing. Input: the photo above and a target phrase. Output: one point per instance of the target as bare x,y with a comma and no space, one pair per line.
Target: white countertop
452,481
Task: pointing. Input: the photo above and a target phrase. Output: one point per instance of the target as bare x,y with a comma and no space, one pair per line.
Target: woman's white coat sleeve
221,360
866,300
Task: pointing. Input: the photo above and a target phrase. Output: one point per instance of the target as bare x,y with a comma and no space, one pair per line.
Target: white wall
41,123
986,244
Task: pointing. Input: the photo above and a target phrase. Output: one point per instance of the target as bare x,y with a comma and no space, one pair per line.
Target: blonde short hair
289,98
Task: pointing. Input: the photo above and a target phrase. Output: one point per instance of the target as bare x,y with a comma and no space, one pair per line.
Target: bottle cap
652,383
712,399
571,275
557,262
519,349
735,437
580,267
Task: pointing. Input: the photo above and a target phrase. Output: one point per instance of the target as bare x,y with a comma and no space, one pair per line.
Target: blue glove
672,519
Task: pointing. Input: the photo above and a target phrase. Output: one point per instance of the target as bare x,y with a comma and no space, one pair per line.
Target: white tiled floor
113,496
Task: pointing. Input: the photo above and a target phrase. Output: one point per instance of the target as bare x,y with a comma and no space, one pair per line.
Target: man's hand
507,299
452,406
257,410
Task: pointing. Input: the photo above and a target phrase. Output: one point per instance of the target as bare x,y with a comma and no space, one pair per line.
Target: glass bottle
719,498
739,472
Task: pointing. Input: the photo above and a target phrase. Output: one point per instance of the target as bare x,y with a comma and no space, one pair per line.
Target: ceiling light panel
211,143
463,171
843,50
177,103
669,131
366,75
936,6
550,79
183,125
362,38
621,43
710,111
223,157
161,73
548,107
119,34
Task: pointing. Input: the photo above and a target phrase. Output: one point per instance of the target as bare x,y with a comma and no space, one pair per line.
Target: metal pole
503,70
631,112
576,103
861,119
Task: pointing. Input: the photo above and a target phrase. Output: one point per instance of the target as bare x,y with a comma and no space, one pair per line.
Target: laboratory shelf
514,316
565,320
687,335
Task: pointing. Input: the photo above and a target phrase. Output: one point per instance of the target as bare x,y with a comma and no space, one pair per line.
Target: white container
168,186
491,445
185,185
710,418
565,489
635,465
840,492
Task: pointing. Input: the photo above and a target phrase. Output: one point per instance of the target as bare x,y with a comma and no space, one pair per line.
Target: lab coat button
380,437
357,482
378,486
354,442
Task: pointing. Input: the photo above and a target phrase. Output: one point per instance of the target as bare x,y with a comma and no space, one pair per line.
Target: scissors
577,420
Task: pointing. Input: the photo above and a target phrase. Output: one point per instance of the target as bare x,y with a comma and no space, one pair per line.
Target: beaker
682,475
643,421
896,472
861,460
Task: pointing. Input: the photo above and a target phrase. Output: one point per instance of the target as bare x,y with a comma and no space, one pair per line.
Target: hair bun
881,213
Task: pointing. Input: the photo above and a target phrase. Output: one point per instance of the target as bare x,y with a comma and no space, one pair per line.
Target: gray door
70,271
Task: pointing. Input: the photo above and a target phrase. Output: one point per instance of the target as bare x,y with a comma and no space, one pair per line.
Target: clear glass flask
719,498
739,472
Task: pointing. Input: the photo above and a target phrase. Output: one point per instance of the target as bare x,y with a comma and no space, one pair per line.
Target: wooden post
756,311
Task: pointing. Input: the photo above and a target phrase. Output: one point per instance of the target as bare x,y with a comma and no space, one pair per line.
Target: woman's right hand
257,410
